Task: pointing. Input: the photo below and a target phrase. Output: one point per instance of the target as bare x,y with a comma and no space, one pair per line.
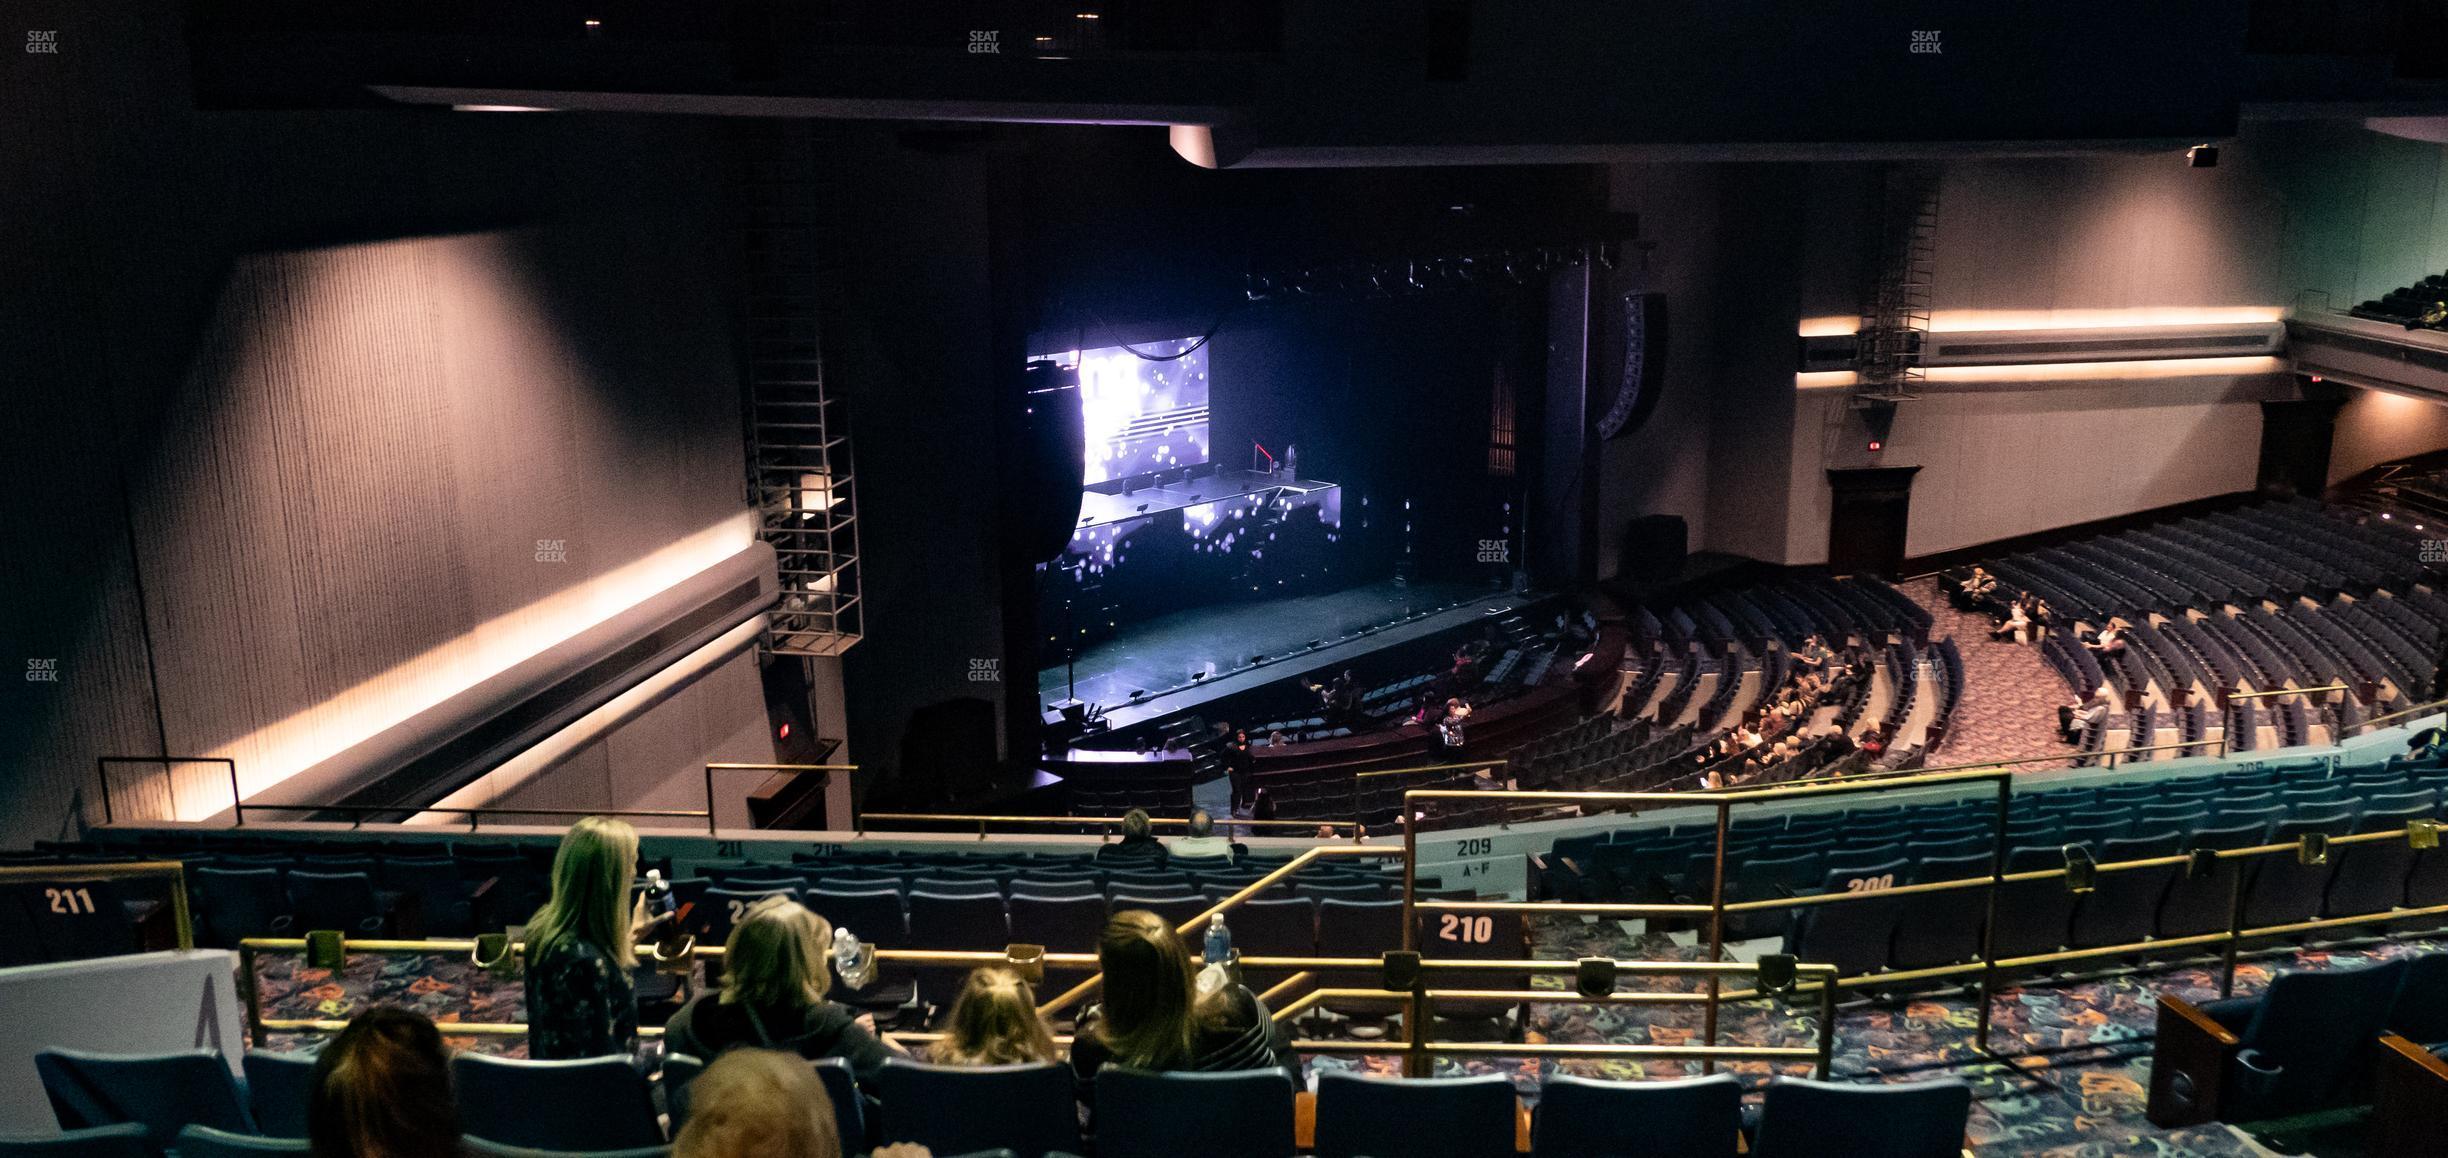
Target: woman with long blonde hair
994,1022
581,946
776,979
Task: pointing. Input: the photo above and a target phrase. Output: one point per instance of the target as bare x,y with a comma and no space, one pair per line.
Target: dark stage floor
1159,655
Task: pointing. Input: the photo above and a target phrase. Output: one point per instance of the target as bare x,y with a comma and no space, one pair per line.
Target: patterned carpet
2082,1099
2010,697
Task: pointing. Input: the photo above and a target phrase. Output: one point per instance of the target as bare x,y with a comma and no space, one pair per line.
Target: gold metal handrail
1359,830
2431,708
2288,692
1724,801
180,917
1252,889
1988,965
793,770
1383,772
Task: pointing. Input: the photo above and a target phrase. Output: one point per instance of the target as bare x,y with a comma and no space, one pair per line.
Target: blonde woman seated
762,1103
776,976
1162,1012
994,1022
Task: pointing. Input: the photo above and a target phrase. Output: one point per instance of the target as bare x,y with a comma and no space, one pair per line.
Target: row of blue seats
190,1102
1622,863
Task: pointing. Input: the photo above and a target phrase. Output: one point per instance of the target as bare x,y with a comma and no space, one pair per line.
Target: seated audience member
2075,720
762,1103
1814,654
1138,843
1203,843
1977,591
2041,615
1262,806
382,1089
1713,779
2110,642
1874,742
1162,1012
1449,730
581,1001
994,1022
777,973
2018,623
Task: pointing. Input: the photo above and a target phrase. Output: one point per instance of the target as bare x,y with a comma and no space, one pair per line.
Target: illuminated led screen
1142,416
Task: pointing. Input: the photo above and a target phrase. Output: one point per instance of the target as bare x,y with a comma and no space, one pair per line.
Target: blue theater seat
1941,928
1414,1117
1800,1118
277,1088
2420,1012
598,1103
480,1148
1245,1114
2123,906
161,1092
1589,1118
206,1142
240,903
1027,1109
126,1140
2035,916
1851,935
2277,889
2295,1048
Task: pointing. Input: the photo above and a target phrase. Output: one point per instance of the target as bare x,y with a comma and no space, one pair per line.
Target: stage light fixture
2202,156
1138,694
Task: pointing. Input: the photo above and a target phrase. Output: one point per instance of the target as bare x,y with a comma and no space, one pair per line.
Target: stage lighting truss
1432,273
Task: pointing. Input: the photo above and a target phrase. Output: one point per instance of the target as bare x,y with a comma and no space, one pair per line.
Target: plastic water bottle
851,962
1219,942
659,899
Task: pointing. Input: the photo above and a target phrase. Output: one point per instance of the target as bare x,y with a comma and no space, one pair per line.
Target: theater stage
1158,656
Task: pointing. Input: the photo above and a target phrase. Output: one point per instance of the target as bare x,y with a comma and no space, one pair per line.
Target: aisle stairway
2010,697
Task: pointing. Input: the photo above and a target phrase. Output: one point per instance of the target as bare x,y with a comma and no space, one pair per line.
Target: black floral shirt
580,1003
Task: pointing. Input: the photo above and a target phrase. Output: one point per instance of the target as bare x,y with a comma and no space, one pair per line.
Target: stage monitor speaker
1049,456
1653,548
1643,376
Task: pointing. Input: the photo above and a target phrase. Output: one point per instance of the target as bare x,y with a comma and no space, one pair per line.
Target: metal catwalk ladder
1896,304
798,439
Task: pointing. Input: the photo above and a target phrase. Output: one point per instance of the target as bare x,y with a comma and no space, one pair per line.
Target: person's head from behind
1201,824
1147,1018
758,1103
994,1022
591,875
776,957
382,1089
1135,824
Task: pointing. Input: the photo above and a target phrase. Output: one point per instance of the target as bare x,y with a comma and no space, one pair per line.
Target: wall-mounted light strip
2132,317
2065,371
